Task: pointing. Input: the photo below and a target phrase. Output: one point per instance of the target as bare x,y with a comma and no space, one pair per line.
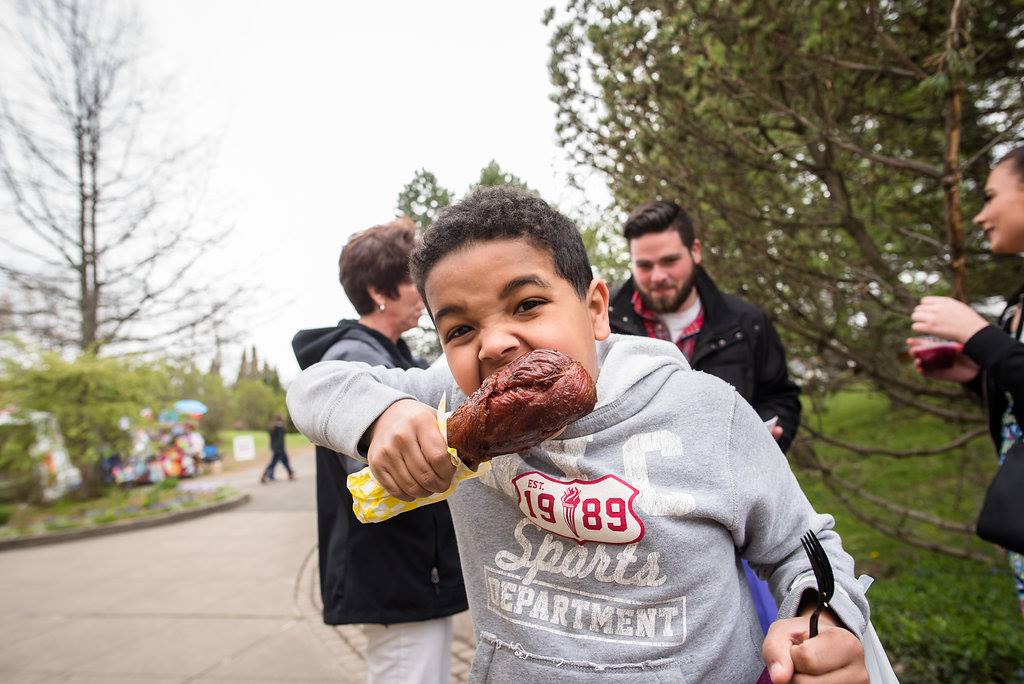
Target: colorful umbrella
190,407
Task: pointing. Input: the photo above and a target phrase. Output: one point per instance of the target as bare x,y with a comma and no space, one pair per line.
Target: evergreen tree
829,153
243,367
493,175
422,197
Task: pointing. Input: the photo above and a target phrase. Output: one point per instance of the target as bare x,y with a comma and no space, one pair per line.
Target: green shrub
255,403
6,512
59,523
166,485
189,382
151,497
15,463
105,518
937,622
940,618
87,396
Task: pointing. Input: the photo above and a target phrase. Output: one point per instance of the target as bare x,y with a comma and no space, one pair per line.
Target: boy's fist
835,655
407,454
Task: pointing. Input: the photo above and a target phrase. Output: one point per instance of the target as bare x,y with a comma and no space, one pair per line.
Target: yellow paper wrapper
371,502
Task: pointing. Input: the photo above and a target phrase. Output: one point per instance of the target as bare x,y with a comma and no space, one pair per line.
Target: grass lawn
941,619
116,504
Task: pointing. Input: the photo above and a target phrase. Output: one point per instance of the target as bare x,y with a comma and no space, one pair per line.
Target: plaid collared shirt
656,328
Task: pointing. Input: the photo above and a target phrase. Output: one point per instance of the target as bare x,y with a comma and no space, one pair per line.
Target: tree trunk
86,305
952,178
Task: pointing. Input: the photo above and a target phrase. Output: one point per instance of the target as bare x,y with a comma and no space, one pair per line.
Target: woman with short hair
400,578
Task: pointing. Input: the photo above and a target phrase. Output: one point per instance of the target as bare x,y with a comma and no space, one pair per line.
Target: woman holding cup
987,358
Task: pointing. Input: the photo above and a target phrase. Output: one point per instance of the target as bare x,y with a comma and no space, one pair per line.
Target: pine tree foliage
831,154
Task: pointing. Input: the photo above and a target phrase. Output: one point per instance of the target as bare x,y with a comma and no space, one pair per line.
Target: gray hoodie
616,547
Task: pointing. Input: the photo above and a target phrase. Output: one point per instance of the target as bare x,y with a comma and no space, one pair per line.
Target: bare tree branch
107,205
862,450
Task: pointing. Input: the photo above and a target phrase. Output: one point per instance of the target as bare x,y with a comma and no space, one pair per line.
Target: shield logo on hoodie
598,510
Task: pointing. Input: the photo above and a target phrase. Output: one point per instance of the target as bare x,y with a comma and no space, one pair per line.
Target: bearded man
670,296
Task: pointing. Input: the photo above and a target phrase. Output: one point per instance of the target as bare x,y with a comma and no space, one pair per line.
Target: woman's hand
407,454
962,370
947,318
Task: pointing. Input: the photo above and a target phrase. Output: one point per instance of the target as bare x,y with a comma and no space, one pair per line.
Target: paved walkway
229,597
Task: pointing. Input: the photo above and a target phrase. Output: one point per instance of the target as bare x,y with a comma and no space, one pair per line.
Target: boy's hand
407,453
835,655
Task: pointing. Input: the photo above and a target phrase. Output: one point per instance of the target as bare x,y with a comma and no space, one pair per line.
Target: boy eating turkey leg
614,546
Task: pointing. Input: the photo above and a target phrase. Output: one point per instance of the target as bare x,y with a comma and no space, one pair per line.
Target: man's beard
661,305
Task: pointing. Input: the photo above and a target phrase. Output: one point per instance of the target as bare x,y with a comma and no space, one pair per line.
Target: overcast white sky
322,111
329,108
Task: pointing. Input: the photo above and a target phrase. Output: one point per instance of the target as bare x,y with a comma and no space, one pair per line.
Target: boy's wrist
808,603
367,439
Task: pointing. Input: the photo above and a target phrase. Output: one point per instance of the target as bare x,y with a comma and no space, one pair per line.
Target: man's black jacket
404,569
737,344
277,439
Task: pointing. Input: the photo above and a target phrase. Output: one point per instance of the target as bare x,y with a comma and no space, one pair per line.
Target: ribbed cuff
841,604
345,435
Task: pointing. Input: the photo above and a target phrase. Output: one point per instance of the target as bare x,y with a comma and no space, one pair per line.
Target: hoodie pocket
499,662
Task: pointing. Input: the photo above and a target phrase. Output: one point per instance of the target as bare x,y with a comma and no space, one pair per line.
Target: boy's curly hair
503,213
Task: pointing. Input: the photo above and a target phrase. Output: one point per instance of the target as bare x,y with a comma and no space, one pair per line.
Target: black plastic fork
822,574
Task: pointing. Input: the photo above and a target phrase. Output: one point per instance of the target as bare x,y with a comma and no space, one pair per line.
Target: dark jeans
279,457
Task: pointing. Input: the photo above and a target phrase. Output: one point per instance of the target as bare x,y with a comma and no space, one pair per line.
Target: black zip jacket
405,569
277,439
1001,358
737,344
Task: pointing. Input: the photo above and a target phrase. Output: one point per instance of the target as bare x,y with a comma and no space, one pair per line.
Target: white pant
409,652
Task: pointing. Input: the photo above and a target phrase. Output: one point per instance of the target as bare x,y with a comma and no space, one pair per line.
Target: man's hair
1015,158
504,213
656,217
377,257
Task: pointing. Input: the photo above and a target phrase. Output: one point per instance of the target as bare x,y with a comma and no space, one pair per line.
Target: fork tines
823,575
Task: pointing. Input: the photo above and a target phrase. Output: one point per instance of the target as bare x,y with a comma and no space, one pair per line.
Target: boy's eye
457,331
529,304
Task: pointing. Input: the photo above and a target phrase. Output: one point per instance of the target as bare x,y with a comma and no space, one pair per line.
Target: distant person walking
278,454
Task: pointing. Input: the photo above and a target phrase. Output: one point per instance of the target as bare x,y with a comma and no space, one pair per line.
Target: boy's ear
597,305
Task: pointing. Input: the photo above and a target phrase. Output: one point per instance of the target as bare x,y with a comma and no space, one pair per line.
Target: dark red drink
937,355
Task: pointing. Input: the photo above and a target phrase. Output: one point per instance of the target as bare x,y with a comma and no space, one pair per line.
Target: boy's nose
497,347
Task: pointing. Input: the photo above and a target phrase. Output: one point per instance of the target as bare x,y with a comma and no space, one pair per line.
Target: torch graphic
570,500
